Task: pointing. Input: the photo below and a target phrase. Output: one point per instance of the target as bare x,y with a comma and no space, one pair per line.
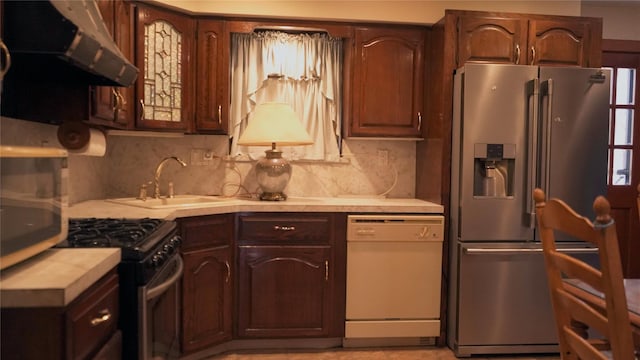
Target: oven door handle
161,288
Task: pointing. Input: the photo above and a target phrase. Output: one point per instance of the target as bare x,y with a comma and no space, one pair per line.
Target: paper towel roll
80,139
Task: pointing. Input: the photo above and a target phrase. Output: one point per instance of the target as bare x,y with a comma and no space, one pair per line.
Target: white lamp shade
273,122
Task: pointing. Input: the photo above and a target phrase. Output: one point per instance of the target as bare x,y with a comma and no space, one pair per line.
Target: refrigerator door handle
504,251
533,95
547,135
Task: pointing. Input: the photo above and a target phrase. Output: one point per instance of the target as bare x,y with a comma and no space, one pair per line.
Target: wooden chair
569,306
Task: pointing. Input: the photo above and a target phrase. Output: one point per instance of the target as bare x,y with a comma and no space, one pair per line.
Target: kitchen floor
368,354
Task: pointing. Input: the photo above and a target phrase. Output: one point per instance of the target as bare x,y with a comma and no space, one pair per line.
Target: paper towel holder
74,135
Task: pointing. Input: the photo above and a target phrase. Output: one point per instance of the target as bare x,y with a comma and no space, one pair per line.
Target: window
621,124
303,70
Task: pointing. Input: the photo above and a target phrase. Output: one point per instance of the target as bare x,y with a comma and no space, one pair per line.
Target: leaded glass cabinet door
163,54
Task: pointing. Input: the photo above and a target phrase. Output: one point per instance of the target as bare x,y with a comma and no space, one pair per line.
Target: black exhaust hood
64,41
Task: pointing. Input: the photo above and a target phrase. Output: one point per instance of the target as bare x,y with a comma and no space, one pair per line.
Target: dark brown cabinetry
388,80
523,39
81,330
113,106
207,283
291,275
164,88
212,80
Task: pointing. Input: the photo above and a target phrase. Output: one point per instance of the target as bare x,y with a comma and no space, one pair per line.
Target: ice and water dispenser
494,168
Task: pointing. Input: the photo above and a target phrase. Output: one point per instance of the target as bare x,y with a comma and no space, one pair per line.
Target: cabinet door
388,81
212,98
163,55
284,291
113,106
207,307
559,42
491,40
207,282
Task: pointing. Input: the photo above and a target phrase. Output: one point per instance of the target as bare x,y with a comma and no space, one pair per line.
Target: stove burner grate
110,232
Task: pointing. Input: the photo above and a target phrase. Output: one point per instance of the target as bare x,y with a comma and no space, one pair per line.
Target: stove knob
176,241
158,259
169,248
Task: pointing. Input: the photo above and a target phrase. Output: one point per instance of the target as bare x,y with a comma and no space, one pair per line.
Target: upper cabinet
388,79
569,42
113,106
527,39
212,82
164,89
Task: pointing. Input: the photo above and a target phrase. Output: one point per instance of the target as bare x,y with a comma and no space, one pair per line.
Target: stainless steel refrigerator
515,128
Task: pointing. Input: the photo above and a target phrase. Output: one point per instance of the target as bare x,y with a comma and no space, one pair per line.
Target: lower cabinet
284,291
290,275
85,329
207,283
262,275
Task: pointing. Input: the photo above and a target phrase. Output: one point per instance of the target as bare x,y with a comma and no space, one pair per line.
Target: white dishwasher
393,279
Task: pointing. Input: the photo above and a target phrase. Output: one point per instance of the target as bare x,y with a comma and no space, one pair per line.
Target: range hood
64,41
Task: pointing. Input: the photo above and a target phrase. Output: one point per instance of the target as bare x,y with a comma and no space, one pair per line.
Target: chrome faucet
156,179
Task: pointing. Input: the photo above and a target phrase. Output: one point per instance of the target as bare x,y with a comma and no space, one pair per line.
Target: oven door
159,313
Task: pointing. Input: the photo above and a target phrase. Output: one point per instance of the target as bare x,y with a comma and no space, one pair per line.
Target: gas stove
147,243
149,279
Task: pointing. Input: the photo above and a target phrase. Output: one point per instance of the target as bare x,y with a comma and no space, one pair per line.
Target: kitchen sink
178,201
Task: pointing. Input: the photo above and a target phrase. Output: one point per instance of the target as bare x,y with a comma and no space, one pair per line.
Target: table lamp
274,123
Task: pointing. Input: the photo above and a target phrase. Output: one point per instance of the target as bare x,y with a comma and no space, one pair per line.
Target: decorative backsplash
367,168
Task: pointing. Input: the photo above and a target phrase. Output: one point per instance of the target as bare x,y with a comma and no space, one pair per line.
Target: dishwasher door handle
502,251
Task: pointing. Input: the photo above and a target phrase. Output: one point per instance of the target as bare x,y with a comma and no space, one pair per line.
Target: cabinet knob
219,114
517,53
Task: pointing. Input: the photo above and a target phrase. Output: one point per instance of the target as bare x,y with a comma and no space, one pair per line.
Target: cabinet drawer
93,318
206,231
285,227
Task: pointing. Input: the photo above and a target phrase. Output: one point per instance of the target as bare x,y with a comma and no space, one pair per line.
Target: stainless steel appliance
150,273
515,128
33,201
393,279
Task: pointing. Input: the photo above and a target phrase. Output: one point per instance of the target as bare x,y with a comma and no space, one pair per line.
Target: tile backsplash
367,168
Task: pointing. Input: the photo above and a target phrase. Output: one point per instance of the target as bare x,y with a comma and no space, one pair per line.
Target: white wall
417,12
621,19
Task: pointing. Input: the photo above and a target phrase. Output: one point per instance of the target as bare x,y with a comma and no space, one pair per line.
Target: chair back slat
611,320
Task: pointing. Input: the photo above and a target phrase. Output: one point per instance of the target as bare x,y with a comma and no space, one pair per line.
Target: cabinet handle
419,121
141,109
284,228
228,272
103,316
7,59
533,55
517,53
117,103
326,270
219,114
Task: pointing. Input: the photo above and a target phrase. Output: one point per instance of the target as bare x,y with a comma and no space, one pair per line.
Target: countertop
55,277
106,209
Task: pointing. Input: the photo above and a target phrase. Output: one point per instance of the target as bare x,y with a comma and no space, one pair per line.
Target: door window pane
624,127
625,86
621,167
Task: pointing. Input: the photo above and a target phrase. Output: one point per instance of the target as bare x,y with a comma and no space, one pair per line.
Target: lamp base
273,196
272,174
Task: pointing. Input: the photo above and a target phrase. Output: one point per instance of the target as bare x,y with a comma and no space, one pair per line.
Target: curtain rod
289,29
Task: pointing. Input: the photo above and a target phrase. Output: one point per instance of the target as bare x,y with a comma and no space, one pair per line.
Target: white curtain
303,70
